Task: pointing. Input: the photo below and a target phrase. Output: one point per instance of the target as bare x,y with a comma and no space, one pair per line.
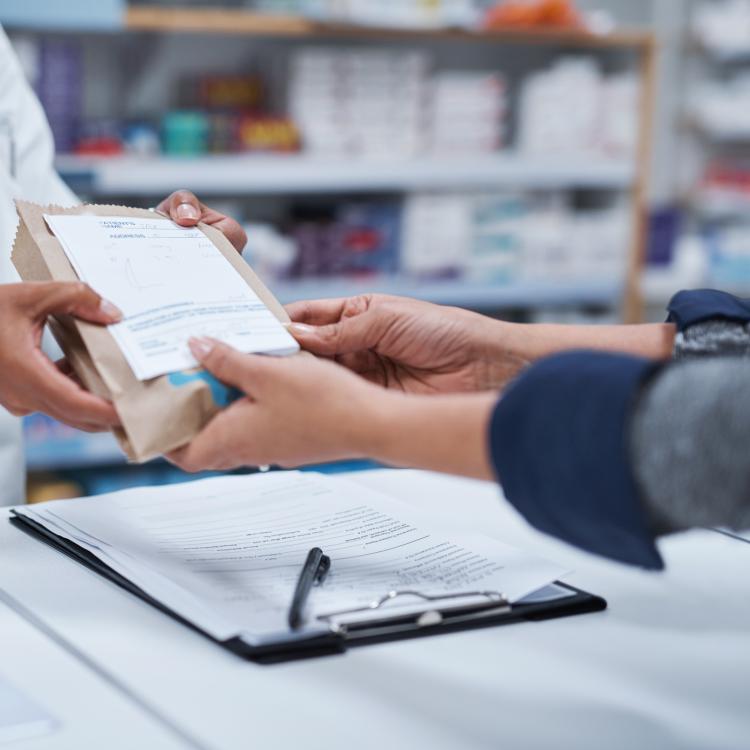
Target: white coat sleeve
35,178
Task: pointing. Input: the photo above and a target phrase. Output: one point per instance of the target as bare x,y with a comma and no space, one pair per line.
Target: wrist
371,423
377,423
446,433
503,353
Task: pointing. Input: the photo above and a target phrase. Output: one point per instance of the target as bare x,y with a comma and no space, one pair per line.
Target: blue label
223,395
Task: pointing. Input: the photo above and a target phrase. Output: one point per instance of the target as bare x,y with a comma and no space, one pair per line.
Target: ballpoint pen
314,570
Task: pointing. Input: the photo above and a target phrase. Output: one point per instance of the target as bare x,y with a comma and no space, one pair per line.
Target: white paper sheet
20,717
225,553
171,283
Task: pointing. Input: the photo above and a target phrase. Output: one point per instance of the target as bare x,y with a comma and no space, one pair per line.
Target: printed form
171,283
225,553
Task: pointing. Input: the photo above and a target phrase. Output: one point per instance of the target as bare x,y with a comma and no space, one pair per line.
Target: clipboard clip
495,602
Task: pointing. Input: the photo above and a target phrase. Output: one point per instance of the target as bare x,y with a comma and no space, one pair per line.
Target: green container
185,133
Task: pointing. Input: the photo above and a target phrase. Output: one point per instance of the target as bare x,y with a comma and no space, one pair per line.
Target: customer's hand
29,380
296,410
186,210
407,344
301,410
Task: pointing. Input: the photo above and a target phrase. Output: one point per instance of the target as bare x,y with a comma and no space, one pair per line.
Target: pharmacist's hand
186,210
407,344
296,410
29,380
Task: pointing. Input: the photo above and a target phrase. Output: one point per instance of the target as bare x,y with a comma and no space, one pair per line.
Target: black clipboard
581,602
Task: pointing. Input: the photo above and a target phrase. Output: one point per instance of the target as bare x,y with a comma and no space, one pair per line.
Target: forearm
653,341
449,433
438,433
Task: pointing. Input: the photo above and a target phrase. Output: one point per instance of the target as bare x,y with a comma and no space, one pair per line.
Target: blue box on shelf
51,445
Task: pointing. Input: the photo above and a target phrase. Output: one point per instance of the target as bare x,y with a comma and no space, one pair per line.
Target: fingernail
200,347
187,211
110,310
301,328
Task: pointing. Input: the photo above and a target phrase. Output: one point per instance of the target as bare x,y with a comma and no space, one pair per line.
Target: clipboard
340,639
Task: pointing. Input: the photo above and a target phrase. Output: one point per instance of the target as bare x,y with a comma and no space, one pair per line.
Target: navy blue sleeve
559,445
687,308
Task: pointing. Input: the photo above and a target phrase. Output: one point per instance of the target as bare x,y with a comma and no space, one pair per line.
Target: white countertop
666,666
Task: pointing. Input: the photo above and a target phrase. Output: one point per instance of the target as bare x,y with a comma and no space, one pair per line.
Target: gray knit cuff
689,437
713,338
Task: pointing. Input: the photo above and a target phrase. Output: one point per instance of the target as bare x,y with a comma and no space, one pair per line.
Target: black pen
314,570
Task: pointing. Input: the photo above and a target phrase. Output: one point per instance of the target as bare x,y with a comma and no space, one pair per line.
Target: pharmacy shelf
239,21
715,204
721,55
269,175
80,452
71,15
722,136
739,56
659,285
108,15
474,295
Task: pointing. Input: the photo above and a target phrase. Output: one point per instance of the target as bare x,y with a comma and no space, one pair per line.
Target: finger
243,371
326,311
17,411
62,398
183,207
199,455
82,426
345,337
317,312
87,416
209,450
93,415
64,366
177,458
233,232
72,298
82,410
230,229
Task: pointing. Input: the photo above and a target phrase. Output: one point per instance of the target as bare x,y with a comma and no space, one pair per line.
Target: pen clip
323,567
313,572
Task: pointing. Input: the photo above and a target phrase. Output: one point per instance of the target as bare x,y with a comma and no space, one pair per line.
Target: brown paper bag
157,415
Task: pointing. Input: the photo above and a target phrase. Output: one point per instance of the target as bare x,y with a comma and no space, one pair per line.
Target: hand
186,210
29,381
301,410
405,344
296,410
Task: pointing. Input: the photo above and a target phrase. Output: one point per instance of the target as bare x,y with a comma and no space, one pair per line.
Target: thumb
183,208
73,298
243,371
345,337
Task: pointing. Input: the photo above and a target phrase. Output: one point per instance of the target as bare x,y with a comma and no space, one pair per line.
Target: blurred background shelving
270,175
407,148
397,148
715,142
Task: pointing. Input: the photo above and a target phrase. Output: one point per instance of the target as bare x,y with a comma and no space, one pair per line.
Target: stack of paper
225,553
171,283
